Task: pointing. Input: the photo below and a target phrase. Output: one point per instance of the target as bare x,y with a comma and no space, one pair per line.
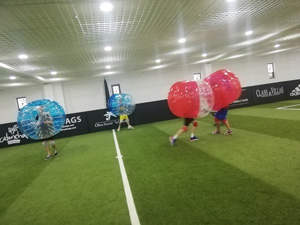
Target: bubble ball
121,104
206,99
226,88
190,99
41,119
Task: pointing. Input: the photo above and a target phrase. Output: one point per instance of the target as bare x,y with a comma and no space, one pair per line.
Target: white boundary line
129,198
287,107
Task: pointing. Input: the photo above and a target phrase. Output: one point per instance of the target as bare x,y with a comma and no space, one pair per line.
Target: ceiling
69,36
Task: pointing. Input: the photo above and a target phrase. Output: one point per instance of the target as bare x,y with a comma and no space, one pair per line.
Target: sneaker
172,141
216,132
229,132
130,127
55,153
194,138
48,157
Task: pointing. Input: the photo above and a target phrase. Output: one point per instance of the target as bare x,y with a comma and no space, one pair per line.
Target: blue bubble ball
121,104
41,119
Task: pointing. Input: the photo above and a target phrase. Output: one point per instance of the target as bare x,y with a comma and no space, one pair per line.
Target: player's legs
229,131
52,143
193,137
47,149
218,124
129,126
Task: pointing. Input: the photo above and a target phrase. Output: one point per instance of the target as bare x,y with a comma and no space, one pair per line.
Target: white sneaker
130,127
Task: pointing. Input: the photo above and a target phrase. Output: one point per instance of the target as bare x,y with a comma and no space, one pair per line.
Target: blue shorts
221,114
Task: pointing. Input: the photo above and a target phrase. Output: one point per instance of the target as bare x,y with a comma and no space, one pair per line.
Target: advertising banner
100,120
269,93
75,124
10,135
292,89
245,99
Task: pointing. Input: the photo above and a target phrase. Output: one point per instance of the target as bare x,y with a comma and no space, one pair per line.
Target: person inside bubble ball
220,116
184,128
45,129
124,118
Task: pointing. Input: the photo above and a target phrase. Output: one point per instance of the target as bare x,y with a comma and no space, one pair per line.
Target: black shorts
187,121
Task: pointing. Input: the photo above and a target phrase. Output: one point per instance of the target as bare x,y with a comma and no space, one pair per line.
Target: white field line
130,202
289,107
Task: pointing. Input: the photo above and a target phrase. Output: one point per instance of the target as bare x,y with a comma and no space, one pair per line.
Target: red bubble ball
184,100
225,86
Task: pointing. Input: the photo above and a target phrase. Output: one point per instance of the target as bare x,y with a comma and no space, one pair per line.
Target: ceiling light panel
69,35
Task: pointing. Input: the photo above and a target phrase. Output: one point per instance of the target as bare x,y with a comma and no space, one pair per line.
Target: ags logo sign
13,136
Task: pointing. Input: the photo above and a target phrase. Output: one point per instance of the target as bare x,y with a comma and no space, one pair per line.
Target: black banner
10,135
245,99
152,112
75,124
292,89
100,120
269,93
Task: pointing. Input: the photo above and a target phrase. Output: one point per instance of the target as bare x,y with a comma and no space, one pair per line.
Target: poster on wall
197,76
116,89
270,67
21,102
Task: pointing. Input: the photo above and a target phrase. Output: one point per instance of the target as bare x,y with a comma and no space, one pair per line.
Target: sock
175,136
192,135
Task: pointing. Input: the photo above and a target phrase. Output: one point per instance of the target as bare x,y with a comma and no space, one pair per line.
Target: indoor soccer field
250,177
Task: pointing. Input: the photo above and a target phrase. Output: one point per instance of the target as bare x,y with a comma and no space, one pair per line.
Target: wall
253,71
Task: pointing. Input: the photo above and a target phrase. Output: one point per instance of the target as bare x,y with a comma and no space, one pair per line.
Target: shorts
221,114
188,121
123,117
47,143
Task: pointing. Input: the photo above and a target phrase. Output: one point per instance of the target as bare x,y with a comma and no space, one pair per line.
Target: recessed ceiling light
23,56
230,0
107,48
40,78
157,61
108,67
12,77
277,45
55,79
204,55
106,6
249,32
4,65
53,72
181,40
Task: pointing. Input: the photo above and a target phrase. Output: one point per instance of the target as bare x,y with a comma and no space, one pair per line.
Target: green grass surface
250,177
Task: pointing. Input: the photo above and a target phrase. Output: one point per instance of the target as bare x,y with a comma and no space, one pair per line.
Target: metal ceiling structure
69,36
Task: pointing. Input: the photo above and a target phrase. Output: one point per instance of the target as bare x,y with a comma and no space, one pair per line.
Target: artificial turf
250,177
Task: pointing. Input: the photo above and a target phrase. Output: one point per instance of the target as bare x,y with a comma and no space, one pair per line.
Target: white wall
8,103
253,71
88,94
